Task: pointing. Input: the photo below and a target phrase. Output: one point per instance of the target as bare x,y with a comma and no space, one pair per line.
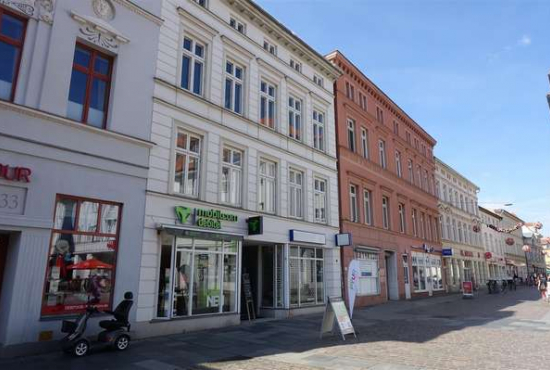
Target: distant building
535,257
515,257
493,244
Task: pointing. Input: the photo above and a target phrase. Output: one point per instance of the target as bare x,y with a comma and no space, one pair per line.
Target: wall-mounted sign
255,225
447,252
427,248
466,253
307,237
10,173
343,240
206,218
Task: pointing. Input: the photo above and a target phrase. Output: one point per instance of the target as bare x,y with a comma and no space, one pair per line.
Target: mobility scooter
116,334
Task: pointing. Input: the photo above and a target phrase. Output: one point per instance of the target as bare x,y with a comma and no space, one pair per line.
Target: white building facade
462,248
242,198
76,81
516,259
493,244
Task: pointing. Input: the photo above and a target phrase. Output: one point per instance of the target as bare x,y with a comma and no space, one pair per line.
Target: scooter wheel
81,348
122,342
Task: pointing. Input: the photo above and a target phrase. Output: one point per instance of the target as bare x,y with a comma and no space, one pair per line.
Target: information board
467,289
336,310
249,300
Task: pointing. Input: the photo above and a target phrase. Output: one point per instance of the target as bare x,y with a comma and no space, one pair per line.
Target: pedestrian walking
542,286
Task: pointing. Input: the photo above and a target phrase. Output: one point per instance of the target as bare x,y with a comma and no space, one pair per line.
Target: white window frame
398,168
410,166
232,169
295,65
386,212
368,260
382,153
194,59
351,135
270,47
320,199
187,153
402,222
354,215
379,115
232,78
319,131
367,203
265,100
237,25
414,215
295,115
318,80
296,193
267,178
365,142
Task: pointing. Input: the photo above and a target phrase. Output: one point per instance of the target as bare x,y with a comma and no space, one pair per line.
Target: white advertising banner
353,284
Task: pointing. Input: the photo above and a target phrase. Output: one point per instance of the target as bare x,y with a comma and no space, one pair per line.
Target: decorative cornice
140,11
99,32
41,10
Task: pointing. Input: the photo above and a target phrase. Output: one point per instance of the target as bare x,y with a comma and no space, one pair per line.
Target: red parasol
90,264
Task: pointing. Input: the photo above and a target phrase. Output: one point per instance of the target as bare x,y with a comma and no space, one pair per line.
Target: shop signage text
447,252
9,173
466,253
255,225
307,237
206,218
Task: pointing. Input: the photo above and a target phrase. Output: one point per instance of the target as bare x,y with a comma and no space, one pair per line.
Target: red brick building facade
387,193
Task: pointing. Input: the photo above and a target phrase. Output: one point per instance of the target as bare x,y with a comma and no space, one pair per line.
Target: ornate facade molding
42,10
99,32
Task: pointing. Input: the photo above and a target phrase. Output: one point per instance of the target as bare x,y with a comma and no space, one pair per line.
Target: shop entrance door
4,241
251,269
391,277
406,276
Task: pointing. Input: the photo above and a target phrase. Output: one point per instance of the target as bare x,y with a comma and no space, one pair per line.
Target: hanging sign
335,310
206,218
255,225
343,240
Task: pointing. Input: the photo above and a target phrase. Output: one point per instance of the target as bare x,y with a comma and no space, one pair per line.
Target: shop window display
306,276
426,272
82,257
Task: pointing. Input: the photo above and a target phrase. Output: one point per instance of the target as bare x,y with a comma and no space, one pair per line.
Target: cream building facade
462,247
493,243
515,256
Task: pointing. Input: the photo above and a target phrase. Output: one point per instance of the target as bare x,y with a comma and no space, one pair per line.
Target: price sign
12,199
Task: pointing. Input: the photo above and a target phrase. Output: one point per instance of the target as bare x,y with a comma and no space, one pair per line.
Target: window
398,163
295,184
460,237
423,149
462,205
422,226
411,171
351,135
419,176
82,256
449,231
197,277
416,143
427,274
238,25
426,184
455,231
382,153
201,2
415,223
231,186
368,282
402,224
318,130
12,35
234,75
354,216
429,235
306,276
90,86
267,104
408,137
350,91
385,212
270,48
192,65
445,193
367,199
362,101
268,171
320,200
318,80
297,66
295,118
186,176
396,128
379,115
365,142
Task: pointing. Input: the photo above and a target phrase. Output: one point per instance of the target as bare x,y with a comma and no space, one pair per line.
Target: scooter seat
112,324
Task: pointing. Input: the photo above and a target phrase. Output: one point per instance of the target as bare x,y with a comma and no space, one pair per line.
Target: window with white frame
398,168
426,179
201,2
231,181
422,225
193,65
429,235
234,75
297,66
267,104
419,176
367,200
354,216
320,200
318,130
448,227
187,164
306,282
382,153
385,212
368,281
270,48
238,25
427,273
460,237
410,166
402,223
318,80
295,118
351,134
455,231
296,191
268,186
365,142
350,91
415,222
445,198
362,101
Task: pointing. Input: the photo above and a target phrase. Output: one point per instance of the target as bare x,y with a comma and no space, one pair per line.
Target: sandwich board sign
336,310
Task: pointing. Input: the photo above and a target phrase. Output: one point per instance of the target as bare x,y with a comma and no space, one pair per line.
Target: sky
472,73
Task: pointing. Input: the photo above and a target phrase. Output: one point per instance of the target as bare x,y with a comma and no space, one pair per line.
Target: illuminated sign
206,218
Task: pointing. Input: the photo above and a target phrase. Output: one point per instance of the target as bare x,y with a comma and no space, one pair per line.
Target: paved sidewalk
489,332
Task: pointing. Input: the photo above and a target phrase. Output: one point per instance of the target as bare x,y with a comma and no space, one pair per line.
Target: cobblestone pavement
506,331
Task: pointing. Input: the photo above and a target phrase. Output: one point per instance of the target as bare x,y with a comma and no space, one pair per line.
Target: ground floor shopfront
464,263
67,237
516,265
206,265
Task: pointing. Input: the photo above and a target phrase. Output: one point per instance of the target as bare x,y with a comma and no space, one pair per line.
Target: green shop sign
207,218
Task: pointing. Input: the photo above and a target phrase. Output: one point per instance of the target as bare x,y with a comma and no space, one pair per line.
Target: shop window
369,282
12,35
231,186
187,165
426,272
204,277
90,86
306,276
82,256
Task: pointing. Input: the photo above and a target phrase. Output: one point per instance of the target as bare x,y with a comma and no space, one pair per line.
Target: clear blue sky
473,73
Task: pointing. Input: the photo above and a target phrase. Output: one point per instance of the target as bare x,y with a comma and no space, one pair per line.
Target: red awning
90,264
